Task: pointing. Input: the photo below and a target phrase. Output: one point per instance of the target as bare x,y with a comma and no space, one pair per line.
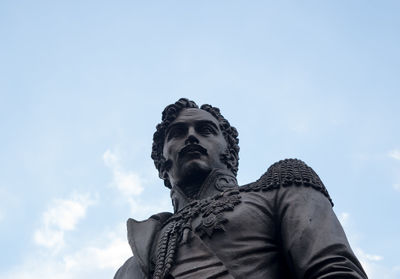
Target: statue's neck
215,182
192,186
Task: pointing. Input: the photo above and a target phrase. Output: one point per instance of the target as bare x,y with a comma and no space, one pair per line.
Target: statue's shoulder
285,173
141,237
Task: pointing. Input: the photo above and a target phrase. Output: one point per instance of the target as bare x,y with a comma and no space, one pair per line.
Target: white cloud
372,263
128,183
63,215
344,218
368,257
130,186
111,256
142,211
395,154
110,158
374,267
101,256
98,259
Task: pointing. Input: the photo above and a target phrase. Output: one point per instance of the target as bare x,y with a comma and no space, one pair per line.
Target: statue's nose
191,139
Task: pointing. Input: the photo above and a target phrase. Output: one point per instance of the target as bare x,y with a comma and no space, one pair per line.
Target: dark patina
280,226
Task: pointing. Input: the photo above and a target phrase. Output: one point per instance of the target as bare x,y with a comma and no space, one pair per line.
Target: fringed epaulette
288,172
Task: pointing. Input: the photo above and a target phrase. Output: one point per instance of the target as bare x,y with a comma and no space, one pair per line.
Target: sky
83,84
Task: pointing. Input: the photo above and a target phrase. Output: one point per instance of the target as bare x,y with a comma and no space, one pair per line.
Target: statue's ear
163,171
166,180
163,174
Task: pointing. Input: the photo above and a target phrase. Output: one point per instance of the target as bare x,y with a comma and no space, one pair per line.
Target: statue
280,226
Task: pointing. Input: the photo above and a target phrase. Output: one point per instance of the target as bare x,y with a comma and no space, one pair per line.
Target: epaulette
288,172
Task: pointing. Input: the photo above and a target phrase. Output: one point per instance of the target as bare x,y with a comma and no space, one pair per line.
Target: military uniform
281,226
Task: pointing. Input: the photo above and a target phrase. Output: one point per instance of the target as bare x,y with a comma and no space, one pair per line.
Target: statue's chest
202,217
207,216
231,225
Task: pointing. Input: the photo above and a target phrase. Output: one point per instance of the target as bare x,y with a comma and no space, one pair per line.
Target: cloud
368,257
99,259
130,186
110,256
141,210
102,255
374,267
63,215
344,218
373,264
395,154
128,183
396,187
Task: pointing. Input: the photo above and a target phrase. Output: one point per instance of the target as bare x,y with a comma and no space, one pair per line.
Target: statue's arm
313,240
130,270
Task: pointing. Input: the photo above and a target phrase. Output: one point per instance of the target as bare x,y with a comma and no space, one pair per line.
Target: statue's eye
176,132
206,129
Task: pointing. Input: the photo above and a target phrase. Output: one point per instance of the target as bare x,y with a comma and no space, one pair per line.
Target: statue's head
190,141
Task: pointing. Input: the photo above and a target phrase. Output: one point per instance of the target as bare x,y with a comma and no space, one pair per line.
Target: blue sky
83,84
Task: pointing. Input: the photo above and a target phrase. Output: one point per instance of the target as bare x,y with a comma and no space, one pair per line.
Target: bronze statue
280,226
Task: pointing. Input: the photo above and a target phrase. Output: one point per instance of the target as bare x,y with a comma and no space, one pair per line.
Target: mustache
192,147
187,148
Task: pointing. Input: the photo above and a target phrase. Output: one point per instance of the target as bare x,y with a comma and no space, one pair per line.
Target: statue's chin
194,173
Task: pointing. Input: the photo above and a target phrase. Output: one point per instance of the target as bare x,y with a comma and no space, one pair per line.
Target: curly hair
230,157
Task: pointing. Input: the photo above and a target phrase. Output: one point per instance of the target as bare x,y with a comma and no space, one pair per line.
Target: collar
217,181
142,235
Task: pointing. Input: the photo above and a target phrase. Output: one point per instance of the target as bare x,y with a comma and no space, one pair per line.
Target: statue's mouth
192,149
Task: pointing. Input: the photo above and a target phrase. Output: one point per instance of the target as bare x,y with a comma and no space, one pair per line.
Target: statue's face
193,144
